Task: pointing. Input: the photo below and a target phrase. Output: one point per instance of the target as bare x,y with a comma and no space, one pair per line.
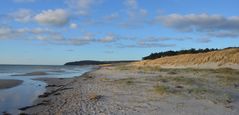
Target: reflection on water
20,96
24,94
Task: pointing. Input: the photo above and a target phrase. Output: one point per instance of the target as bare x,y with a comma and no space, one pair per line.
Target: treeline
173,53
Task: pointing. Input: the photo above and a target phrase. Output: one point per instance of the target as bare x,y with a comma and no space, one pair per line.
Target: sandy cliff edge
228,58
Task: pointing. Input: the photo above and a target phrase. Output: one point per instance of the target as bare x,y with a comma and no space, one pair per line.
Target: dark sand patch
8,83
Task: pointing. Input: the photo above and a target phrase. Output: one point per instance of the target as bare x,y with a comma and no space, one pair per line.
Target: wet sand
9,83
118,90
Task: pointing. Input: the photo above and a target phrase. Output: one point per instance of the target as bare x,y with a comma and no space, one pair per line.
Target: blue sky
58,31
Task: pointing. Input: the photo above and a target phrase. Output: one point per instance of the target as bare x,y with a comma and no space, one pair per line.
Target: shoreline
110,90
9,83
53,87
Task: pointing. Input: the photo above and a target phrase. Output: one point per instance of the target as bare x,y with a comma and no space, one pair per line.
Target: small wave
32,74
57,71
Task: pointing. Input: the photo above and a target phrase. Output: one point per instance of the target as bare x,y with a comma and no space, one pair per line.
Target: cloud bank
199,22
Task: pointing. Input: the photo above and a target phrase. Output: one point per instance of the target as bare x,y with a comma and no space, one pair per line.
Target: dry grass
94,97
123,67
228,79
184,80
226,99
161,89
228,56
198,91
104,79
139,68
125,81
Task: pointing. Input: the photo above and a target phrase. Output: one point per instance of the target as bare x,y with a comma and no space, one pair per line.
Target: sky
52,32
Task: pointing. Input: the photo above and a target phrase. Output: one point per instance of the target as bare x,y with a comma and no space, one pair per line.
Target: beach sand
9,83
114,90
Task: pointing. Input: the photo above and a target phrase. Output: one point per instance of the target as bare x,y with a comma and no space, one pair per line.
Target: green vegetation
184,80
198,91
123,67
226,71
125,81
161,89
143,68
227,99
149,68
104,79
197,83
228,79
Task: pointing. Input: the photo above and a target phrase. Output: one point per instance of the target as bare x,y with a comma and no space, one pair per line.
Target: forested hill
93,62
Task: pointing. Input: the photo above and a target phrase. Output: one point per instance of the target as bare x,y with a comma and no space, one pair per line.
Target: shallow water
23,95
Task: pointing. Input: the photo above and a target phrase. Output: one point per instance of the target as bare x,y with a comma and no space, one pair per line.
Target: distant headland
94,62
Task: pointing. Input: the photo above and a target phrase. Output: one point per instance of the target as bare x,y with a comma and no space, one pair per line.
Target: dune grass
184,80
125,81
140,68
197,83
94,97
104,79
161,89
198,90
228,79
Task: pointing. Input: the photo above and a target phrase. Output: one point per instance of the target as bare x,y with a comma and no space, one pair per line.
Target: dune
227,58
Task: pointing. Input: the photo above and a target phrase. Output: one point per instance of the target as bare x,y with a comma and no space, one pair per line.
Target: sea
23,95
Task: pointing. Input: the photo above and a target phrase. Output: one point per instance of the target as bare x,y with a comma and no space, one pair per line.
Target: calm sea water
23,95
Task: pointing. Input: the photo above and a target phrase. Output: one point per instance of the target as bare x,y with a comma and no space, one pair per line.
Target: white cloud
112,16
199,22
81,7
204,40
136,16
73,25
86,38
58,17
54,37
24,1
82,40
22,15
145,45
154,39
34,30
108,38
40,30
132,3
50,36
5,32
224,34
150,45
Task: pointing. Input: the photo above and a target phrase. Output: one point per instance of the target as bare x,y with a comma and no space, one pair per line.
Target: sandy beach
120,90
9,83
